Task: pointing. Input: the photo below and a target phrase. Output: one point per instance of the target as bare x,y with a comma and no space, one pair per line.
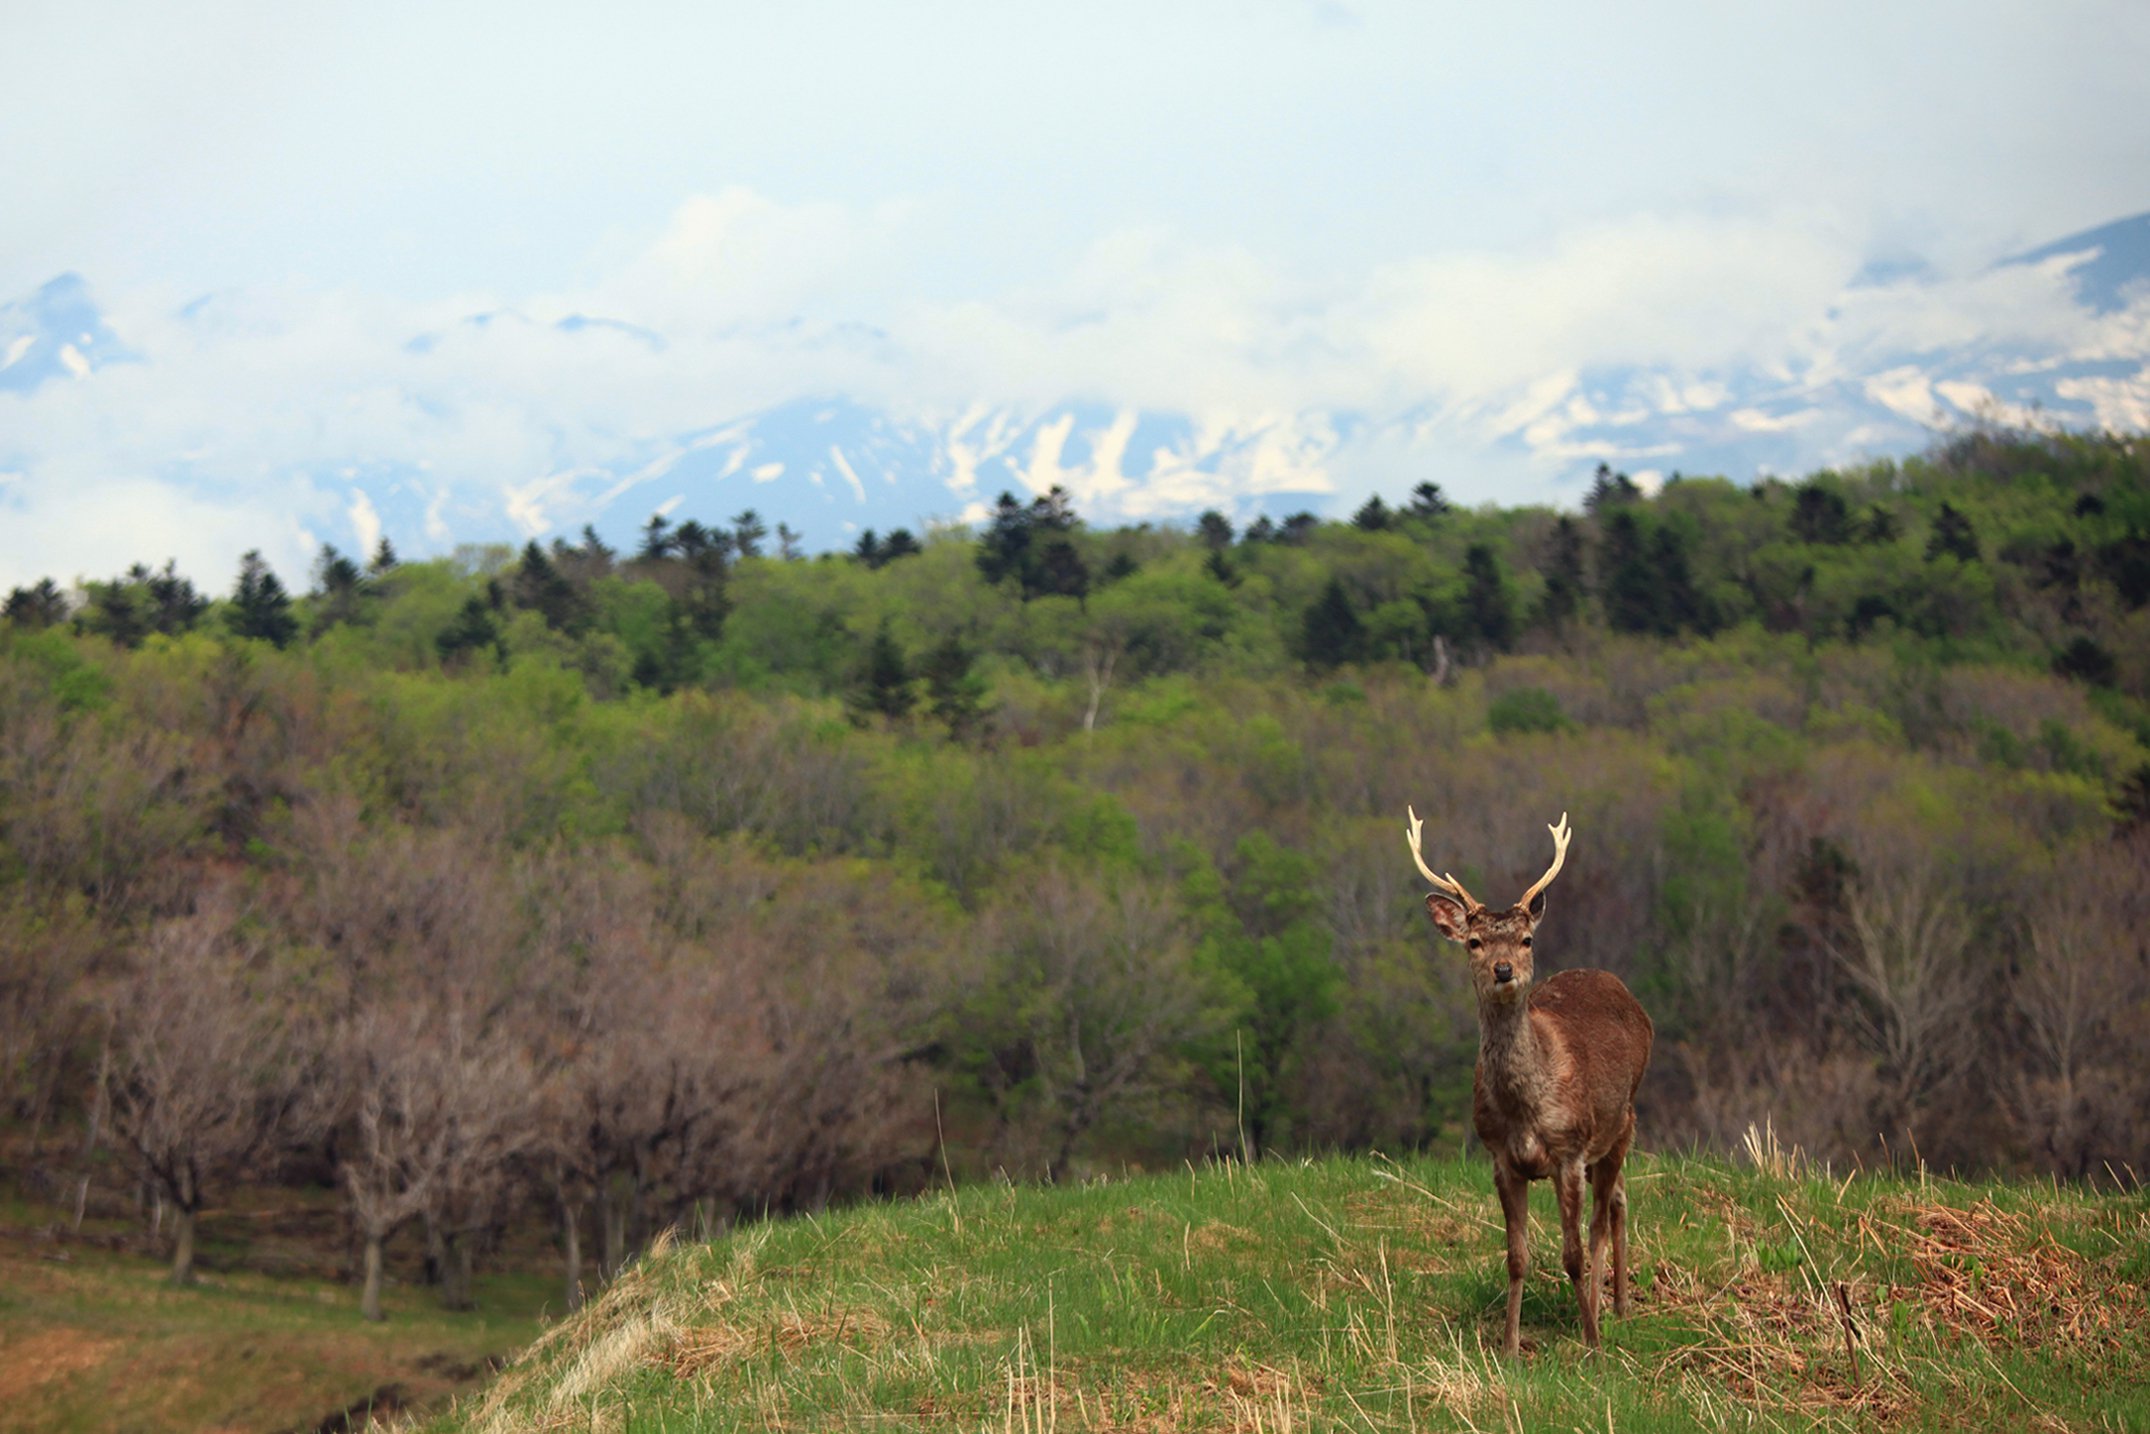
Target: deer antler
1560,855
1446,885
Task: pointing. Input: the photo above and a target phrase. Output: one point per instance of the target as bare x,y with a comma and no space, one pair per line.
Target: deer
1553,1096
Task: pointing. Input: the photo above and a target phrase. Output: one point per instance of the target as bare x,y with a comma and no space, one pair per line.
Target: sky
1247,211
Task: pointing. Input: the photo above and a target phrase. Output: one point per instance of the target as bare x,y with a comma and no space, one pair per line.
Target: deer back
1603,1032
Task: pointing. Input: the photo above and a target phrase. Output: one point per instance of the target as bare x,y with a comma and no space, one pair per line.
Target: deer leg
1515,1213
1613,1197
1604,1183
1568,1181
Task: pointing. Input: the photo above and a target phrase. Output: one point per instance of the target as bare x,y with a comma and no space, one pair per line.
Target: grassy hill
1367,1294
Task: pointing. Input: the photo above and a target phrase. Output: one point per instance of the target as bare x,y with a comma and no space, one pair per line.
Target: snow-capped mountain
476,429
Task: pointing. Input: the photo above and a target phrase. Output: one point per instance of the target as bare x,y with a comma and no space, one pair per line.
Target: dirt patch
29,1362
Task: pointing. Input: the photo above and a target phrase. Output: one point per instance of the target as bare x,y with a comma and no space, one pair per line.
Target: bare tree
1909,960
200,1070
2083,969
437,1105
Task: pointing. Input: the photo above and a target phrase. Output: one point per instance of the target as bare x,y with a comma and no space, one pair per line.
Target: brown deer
1553,1097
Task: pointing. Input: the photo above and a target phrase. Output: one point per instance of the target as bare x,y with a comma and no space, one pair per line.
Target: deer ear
1448,917
1537,907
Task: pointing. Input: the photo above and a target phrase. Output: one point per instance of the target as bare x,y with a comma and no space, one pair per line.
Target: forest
697,879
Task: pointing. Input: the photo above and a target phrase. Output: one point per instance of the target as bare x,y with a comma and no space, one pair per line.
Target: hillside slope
1361,1293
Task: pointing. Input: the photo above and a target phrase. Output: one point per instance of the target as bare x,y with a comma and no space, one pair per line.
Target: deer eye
1475,943
1526,943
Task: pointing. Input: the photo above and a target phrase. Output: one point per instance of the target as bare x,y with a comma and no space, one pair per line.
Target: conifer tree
260,608
1214,530
384,557
1631,594
1428,501
883,688
1820,515
36,607
747,532
1486,599
954,693
1331,632
1953,536
1373,516
1563,599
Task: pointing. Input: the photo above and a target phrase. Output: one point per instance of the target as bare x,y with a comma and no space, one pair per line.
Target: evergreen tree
1331,632
260,608
788,543
384,558
1214,530
174,604
1004,549
954,693
1428,502
1218,566
1609,489
883,688
1373,516
747,532
656,539
1298,528
540,586
473,630
1486,600
1630,594
1261,530
119,610
1060,572
1879,527
596,553
900,545
1680,605
868,549
37,607
1953,536
1563,599
338,588
1820,515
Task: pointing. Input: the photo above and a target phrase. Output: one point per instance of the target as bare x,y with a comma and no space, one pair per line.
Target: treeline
698,880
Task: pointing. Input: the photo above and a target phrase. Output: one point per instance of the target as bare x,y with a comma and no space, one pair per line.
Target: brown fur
1553,1097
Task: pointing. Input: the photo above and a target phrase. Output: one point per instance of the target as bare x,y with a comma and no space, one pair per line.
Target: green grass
1358,1294
99,1341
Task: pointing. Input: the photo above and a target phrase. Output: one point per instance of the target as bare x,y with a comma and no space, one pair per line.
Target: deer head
1499,942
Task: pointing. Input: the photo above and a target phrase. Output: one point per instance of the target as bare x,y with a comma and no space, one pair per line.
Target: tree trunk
182,1245
455,1278
369,1302
436,1251
571,1250
612,1216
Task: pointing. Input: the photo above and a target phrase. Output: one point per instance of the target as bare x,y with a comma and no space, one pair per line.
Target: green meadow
1367,1294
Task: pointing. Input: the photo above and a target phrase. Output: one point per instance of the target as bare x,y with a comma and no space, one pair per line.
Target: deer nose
1503,972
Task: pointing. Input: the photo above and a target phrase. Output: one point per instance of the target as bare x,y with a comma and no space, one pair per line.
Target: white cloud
1474,367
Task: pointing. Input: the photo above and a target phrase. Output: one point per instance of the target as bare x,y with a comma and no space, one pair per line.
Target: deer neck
1511,1051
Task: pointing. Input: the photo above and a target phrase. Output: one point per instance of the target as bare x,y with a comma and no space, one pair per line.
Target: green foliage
1526,709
